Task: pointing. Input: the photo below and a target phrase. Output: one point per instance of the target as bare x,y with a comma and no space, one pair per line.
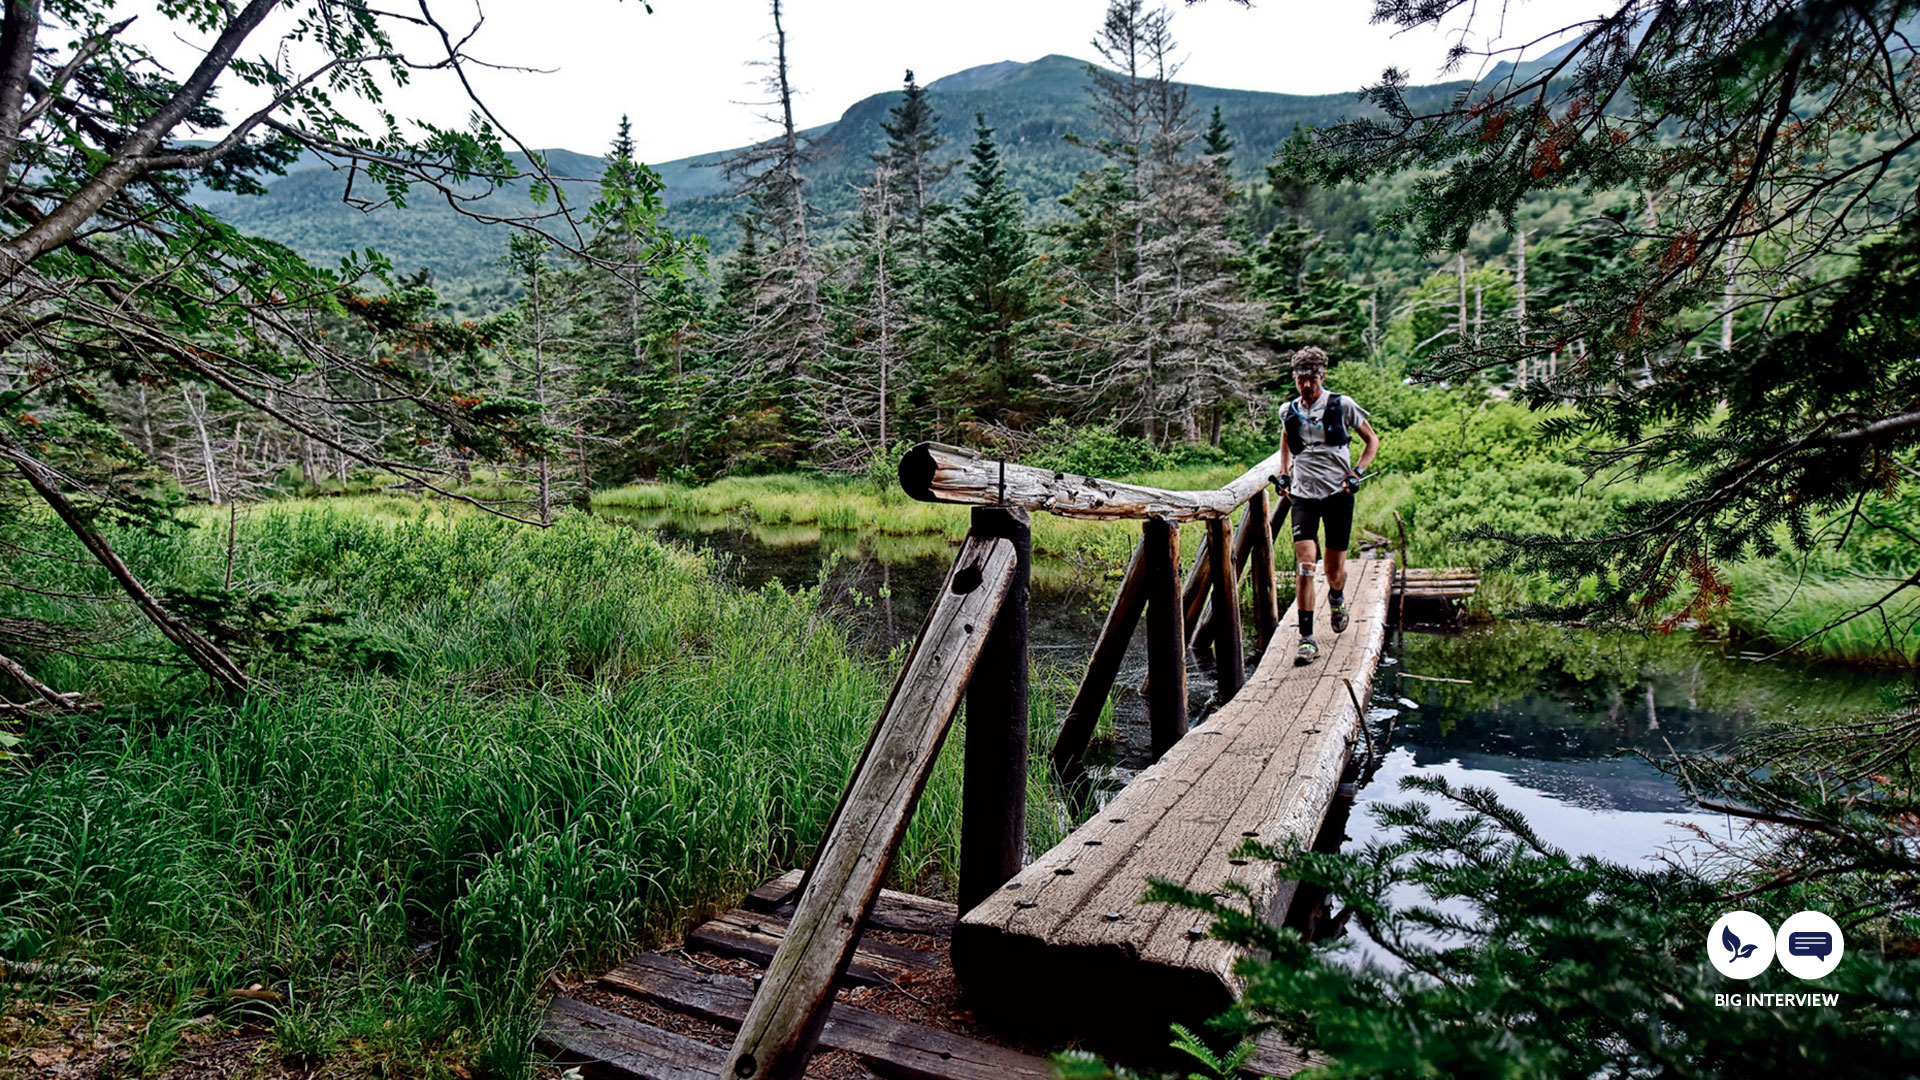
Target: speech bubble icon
1810,943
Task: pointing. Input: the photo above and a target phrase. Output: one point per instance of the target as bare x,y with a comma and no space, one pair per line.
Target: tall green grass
1824,614
524,751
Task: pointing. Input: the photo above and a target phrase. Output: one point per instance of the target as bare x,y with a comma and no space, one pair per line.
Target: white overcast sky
684,73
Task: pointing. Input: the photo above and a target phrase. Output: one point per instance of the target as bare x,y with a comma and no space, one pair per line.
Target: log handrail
783,1024
936,472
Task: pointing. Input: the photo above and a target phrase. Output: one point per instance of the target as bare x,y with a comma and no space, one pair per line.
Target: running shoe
1309,652
1339,608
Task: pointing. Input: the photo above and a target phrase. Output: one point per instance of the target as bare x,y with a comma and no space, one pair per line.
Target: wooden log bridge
1264,767
1063,943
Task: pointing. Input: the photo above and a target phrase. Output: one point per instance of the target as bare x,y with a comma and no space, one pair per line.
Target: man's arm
1372,446
1285,477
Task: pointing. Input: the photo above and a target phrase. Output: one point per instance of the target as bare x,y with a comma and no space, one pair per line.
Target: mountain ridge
1032,105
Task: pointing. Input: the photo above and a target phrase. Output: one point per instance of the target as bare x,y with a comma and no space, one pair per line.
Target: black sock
1336,597
1306,624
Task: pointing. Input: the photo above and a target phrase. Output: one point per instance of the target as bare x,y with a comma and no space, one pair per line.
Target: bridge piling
1228,650
993,804
1166,636
1266,600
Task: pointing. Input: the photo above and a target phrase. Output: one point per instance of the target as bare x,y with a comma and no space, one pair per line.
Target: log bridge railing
974,644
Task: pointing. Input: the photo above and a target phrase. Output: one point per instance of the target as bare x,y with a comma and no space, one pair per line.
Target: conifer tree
913,138
781,337
1310,301
636,286
981,292
858,388
540,358
1216,144
1161,335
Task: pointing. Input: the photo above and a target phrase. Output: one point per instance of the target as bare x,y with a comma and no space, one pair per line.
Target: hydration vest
1335,420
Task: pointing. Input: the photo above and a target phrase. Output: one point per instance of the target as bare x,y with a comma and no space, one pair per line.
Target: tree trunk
219,667
1460,269
198,413
1520,303
40,690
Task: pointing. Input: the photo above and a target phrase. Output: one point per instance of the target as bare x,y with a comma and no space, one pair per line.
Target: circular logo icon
1810,945
1740,944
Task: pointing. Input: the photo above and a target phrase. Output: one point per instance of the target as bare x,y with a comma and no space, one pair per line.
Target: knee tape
1309,569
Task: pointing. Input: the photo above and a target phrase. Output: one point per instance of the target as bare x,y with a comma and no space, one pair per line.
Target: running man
1316,469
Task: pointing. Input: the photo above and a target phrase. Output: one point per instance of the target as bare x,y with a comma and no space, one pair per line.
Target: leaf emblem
1732,943
1745,951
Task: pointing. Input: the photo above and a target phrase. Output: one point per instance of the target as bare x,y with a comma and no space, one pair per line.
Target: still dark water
1548,718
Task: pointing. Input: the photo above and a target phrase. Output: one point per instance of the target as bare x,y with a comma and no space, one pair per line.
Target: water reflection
1556,721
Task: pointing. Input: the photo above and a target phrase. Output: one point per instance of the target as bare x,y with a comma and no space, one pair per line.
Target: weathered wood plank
1290,798
894,1048
754,936
900,911
781,1028
1273,1056
1054,887
1202,829
1102,667
932,472
611,1045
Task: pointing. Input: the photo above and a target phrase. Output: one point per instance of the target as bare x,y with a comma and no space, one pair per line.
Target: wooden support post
1266,598
1400,574
1199,617
790,1008
1102,668
1229,657
993,802
1166,636
1193,600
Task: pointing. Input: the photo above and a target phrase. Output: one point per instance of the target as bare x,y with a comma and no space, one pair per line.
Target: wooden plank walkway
680,991
1068,936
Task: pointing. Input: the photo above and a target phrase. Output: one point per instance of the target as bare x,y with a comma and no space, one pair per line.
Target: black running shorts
1335,510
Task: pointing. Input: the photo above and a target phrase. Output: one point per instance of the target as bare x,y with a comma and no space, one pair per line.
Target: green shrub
1094,451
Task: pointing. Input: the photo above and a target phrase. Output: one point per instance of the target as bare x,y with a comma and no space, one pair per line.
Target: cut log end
917,470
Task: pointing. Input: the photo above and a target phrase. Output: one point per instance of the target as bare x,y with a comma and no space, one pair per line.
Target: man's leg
1337,589
1339,520
1303,552
1306,529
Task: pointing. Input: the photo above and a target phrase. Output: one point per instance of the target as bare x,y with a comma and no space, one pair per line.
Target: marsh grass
522,751
1778,607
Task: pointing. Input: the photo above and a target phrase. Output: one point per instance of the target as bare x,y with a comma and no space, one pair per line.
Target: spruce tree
859,386
1160,336
540,358
913,138
637,291
1216,144
982,291
780,340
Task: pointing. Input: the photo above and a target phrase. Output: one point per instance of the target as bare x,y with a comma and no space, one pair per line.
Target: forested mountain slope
1034,107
